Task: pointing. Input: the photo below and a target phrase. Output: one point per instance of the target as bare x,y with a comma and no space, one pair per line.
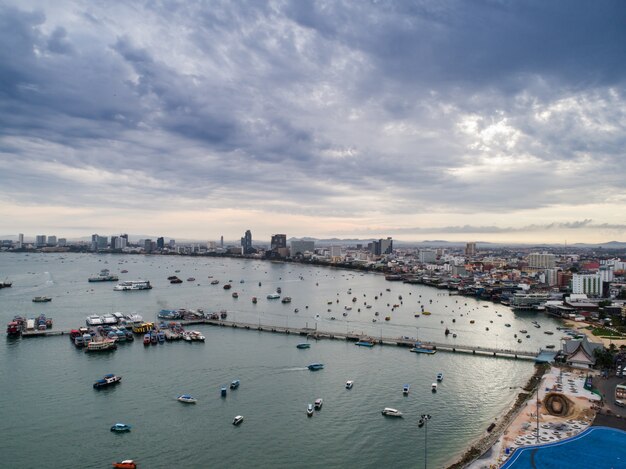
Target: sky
488,120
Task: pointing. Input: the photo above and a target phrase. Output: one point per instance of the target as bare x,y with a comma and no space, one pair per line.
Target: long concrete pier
350,336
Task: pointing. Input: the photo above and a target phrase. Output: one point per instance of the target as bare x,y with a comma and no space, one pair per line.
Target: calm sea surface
53,417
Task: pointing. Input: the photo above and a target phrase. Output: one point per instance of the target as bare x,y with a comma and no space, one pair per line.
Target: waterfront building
103,242
300,247
62,242
41,241
381,247
160,244
580,353
172,243
588,284
278,241
222,242
335,251
147,246
541,260
20,241
52,241
246,243
113,241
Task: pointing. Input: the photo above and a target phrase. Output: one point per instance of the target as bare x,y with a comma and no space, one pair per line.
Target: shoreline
487,441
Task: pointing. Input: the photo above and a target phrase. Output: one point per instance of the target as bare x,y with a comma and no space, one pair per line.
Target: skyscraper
160,243
470,249
40,241
20,242
246,242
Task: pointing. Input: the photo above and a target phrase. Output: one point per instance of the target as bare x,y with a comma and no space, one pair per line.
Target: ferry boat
318,403
316,366
349,384
389,412
107,380
41,299
303,345
101,346
103,276
237,420
133,285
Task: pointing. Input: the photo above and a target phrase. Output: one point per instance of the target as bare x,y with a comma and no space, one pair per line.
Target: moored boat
42,299
121,428
440,376
125,464
390,412
14,328
133,285
303,345
286,299
101,346
273,296
420,348
237,420
107,380
318,403
187,399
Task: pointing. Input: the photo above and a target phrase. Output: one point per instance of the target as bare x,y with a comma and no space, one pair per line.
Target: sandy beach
526,429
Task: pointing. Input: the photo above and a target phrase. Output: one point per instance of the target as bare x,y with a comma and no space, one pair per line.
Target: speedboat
273,296
187,399
234,384
434,387
309,410
223,391
389,412
349,384
316,366
125,464
405,389
318,403
303,345
439,376
107,380
120,427
237,420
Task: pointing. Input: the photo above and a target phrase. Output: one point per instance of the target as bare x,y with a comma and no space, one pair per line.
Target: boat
5,284
237,420
434,387
365,343
439,376
176,281
387,318
550,346
349,384
426,313
254,300
14,328
279,290
191,279
507,325
303,345
120,428
420,348
316,366
223,391
103,276
273,296
94,320
187,399
420,424
234,384
389,412
41,299
524,331
107,380
548,332
146,339
133,285
227,286
286,299
318,403
214,282
101,346
309,410
235,294
125,464
405,389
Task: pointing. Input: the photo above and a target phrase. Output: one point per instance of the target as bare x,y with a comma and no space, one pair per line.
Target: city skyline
493,122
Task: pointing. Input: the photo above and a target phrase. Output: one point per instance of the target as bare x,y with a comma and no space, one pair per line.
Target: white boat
94,320
309,410
109,319
318,403
434,387
196,335
238,419
273,296
440,376
133,285
187,399
349,384
389,412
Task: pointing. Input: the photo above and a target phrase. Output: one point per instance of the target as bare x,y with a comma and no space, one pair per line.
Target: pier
349,336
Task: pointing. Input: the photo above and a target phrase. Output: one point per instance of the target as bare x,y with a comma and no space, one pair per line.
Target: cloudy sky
459,120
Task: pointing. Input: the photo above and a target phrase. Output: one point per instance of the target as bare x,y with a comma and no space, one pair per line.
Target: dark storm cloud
315,107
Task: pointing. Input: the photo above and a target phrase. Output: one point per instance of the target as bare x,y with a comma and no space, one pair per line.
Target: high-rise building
147,246
246,242
125,236
94,242
121,242
541,260
427,256
103,242
381,247
278,241
300,247
114,242
20,241
41,241
52,240
160,244
172,243
222,241
470,249
62,242
589,284
335,251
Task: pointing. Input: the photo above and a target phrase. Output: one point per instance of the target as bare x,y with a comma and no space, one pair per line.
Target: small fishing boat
107,380
125,464
316,366
318,403
254,300
234,384
365,343
41,299
223,391
235,294
434,387
405,389
439,376
349,384
389,412
237,420
227,286
309,410
303,345
120,428
187,399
